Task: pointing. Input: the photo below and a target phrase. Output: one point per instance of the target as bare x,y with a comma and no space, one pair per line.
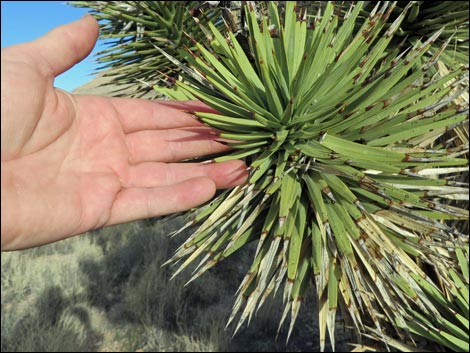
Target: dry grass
107,291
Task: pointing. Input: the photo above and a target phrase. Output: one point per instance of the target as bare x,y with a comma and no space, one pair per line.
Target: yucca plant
133,30
340,132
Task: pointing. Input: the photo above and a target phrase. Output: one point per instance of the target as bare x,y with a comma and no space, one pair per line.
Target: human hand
73,163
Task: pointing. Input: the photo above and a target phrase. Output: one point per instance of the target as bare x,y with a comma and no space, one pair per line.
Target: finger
224,175
139,114
172,145
138,203
66,45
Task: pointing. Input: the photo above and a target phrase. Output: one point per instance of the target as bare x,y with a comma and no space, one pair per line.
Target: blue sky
23,21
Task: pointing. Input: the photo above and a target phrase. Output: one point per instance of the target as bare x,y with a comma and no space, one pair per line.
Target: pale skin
74,163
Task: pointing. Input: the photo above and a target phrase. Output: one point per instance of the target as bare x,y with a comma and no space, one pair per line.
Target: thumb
66,45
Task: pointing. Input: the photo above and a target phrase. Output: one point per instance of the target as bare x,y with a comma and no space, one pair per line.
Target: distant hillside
101,86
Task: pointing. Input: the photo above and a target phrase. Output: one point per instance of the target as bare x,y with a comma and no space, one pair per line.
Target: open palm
75,163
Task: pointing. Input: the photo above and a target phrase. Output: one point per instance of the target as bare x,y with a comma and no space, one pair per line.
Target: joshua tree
344,115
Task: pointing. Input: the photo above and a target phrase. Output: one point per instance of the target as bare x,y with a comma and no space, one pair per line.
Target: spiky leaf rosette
343,188
135,29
